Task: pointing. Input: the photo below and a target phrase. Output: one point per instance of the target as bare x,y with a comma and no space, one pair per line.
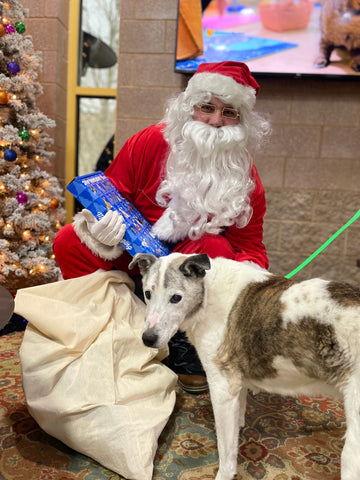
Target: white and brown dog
255,330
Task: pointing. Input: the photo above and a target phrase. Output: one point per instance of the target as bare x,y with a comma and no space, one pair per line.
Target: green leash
319,250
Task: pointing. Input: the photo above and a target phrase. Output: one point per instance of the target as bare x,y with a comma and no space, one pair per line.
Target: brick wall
48,25
311,166
311,172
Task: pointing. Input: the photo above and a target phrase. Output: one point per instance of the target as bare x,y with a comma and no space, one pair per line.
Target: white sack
88,379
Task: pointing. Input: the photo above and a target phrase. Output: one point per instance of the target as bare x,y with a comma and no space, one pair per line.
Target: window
92,81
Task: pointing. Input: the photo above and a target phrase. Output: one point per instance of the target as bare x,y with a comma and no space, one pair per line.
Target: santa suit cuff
97,248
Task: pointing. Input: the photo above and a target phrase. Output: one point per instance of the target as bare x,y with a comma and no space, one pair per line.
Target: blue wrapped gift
98,194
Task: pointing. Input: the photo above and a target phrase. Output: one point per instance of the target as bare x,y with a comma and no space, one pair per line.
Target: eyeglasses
210,109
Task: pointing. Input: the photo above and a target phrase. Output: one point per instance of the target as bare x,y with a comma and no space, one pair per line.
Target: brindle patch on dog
256,335
344,294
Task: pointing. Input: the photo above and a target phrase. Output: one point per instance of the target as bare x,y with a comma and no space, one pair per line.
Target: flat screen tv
274,37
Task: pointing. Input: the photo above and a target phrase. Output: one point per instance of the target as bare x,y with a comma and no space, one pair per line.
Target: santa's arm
102,237
135,172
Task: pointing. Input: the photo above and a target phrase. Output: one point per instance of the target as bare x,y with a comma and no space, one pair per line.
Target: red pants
76,260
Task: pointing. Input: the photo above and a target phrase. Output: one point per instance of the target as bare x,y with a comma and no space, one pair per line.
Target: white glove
110,230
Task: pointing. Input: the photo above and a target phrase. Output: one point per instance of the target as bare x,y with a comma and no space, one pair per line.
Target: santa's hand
110,230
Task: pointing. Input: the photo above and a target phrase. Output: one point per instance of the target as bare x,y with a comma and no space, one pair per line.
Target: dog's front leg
350,462
227,413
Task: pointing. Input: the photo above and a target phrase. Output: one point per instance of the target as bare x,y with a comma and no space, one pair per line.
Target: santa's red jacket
136,172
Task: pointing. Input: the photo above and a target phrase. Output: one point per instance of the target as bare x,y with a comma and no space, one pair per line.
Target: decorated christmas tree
31,198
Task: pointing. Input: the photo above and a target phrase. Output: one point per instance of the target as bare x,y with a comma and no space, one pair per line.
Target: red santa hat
230,81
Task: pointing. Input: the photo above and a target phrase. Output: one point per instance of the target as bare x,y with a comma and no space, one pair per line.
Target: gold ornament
54,203
4,97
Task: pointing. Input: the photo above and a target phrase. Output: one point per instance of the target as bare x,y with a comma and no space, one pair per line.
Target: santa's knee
69,254
62,240
217,246
213,245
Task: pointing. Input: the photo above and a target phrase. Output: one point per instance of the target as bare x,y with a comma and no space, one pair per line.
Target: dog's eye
175,298
147,294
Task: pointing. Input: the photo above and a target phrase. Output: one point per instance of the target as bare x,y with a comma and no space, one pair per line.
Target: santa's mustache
207,138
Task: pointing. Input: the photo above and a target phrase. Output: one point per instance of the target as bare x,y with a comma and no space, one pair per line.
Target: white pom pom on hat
230,80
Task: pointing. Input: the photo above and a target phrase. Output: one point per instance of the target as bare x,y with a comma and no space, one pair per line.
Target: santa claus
191,176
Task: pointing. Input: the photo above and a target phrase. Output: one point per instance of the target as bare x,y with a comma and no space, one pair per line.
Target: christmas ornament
22,198
4,97
10,155
10,29
13,67
54,203
24,135
20,27
2,30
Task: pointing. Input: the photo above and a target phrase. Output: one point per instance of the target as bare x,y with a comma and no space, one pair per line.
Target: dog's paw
321,62
355,65
221,476
228,473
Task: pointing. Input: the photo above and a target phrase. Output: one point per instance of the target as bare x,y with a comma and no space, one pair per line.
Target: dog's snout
149,339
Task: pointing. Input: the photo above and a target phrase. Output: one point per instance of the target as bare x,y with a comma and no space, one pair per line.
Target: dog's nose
149,339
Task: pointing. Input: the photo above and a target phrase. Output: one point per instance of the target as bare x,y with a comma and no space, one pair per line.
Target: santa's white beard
207,182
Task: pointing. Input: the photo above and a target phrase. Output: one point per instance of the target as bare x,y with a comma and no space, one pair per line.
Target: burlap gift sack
88,379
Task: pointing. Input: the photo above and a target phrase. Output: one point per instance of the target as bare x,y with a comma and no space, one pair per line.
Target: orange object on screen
189,34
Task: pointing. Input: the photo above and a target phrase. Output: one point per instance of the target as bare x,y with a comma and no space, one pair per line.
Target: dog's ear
195,265
144,260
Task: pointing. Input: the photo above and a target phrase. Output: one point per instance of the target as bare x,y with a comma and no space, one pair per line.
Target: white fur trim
222,86
164,228
104,251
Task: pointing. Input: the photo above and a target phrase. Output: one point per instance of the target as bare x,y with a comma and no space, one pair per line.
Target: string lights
31,198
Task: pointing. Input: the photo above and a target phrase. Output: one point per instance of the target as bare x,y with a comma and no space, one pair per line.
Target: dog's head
174,291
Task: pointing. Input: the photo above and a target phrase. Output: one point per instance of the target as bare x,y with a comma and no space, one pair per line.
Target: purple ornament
9,29
10,155
22,198
13,68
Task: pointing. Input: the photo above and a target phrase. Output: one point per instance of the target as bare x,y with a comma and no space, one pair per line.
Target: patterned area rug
284,438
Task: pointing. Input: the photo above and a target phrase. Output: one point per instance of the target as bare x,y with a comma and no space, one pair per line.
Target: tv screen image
274,37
